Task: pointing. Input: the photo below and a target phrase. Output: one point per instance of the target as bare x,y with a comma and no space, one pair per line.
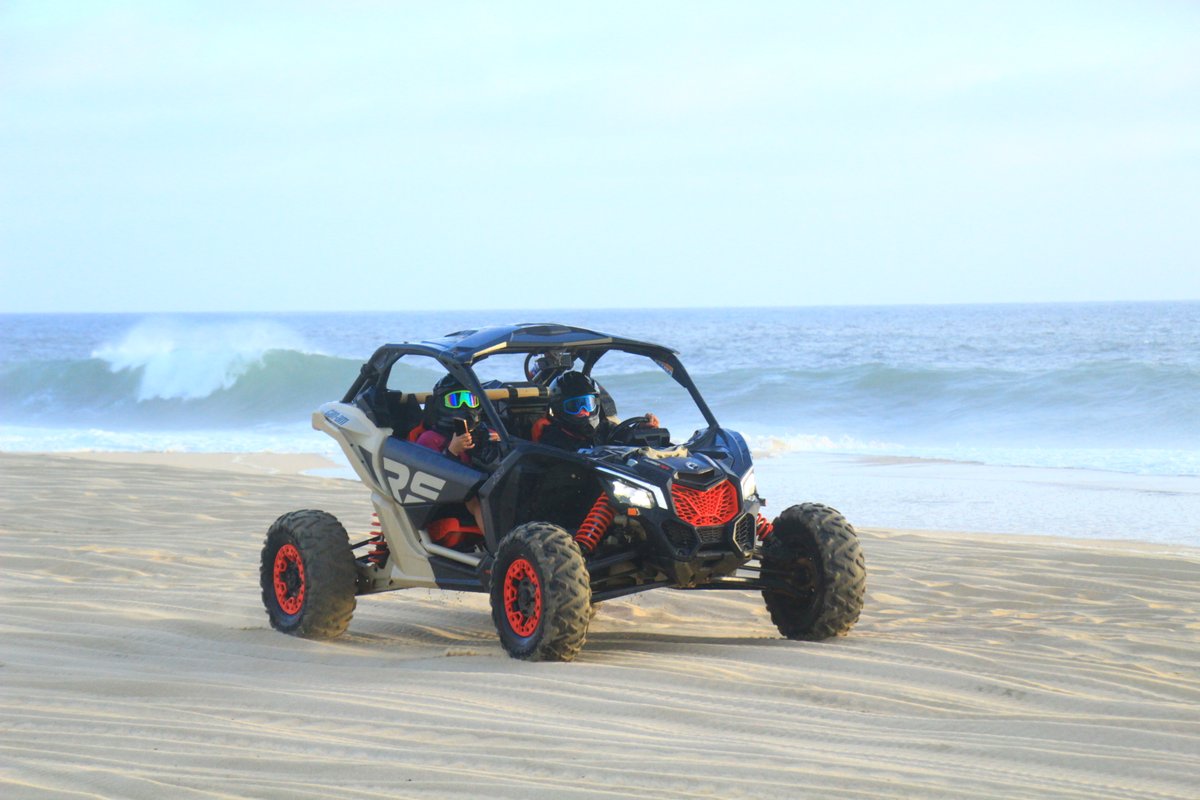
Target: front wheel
308,575
541,593
815,573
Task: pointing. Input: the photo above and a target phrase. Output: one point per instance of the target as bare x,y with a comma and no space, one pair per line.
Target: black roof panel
468,345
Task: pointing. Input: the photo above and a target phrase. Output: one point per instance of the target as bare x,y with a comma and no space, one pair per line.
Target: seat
522,406
407,415
452,532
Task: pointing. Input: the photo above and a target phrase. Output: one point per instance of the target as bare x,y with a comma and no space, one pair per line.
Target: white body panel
362,442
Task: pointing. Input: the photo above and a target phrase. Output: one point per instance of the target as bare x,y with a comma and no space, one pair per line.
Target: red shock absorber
764,527
379,554
595,524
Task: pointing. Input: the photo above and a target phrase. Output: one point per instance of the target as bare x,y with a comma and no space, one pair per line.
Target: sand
136,661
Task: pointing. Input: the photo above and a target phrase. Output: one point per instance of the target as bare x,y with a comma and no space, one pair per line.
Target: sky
270,156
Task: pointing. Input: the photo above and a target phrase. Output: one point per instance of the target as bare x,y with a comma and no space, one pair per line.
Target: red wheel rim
289,579
522,597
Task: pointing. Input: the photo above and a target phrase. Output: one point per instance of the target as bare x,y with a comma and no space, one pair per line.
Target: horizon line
576,309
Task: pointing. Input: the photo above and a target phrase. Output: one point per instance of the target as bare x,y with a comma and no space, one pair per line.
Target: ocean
1063,419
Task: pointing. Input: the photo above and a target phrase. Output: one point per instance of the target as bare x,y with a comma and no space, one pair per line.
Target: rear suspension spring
379,553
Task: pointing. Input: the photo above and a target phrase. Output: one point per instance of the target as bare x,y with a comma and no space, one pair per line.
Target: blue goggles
461,398
581,406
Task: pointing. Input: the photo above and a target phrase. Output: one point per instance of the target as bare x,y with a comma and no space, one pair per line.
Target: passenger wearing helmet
576,419
456,421
456,430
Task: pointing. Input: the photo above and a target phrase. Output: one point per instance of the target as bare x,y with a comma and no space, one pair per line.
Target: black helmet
451,401
575,402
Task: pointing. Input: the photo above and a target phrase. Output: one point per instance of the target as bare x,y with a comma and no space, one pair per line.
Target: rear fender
405,480
359,438
408,562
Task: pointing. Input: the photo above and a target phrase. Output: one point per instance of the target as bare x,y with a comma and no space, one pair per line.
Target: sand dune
136,661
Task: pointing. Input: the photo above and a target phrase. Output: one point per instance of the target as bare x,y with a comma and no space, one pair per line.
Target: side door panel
415,475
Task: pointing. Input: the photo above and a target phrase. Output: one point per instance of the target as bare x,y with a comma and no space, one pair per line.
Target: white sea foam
191,360
1137,461
952,495
765,446
296,439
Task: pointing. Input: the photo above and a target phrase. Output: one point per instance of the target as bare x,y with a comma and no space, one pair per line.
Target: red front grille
713,507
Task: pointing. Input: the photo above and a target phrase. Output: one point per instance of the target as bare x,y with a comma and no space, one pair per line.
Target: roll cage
559,345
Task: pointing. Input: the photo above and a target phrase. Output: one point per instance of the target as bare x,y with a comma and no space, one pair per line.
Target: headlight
632,495
749,484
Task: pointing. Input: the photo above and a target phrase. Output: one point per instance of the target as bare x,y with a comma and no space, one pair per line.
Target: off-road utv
561,530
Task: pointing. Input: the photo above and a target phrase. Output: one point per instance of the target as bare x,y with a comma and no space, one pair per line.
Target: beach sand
136,661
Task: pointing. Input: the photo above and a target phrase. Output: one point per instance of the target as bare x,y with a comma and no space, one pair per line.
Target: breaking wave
170,374
173,361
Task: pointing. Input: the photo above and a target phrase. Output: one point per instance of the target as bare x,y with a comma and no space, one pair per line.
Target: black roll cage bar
586,346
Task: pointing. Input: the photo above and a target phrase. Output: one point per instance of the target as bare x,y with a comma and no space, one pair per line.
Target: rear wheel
541,595
308,575
816,571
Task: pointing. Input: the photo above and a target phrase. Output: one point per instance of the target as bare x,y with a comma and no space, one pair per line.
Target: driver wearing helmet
575,416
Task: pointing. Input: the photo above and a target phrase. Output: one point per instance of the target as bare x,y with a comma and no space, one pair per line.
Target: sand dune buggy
561,530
